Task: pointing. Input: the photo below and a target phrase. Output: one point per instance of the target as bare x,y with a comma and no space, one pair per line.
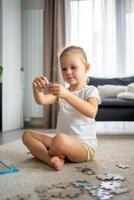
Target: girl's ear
87,67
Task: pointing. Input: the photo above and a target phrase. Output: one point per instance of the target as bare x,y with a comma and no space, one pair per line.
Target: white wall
32,53
11,56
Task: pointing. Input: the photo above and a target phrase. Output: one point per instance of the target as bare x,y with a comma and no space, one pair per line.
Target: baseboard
110,127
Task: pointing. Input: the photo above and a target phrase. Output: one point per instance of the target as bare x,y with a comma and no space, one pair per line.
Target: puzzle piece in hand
85,170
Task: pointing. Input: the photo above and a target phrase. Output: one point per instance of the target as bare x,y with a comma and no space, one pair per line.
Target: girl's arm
88,108
39,84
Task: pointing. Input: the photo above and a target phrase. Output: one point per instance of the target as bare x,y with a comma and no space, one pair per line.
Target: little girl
75,137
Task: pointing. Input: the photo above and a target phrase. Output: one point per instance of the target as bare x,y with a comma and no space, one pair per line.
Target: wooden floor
10,136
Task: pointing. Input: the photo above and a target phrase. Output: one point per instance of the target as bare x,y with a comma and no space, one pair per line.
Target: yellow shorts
90,152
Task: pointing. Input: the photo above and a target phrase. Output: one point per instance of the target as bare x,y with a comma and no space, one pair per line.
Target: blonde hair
75,50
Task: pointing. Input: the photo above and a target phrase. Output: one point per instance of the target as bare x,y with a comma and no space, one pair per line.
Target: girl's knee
58,143
59,139
26,135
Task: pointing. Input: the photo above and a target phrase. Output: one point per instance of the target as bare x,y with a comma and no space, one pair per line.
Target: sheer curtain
129,36
105,30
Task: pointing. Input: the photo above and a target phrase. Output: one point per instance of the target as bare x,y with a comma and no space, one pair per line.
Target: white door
12,110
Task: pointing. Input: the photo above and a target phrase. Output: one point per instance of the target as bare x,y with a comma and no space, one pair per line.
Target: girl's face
73,69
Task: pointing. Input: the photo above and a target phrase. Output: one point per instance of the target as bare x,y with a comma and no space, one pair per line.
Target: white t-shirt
75,124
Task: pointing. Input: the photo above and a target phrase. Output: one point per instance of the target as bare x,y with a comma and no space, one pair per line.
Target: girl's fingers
54,89
34,84
45,80
41,82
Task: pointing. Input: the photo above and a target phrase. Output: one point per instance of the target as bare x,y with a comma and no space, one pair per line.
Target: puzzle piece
120,190
71,192
85,170
122,166
115,176
101,194
60,191
89,187
104,177
110,185
80,183
114,187
61,185
20,197
41,189
110,176
46,193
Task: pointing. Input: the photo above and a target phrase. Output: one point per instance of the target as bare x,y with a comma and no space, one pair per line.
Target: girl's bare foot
56,162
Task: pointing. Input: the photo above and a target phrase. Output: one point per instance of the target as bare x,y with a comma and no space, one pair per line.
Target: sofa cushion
112,81
110,90
126,95
116,102
130,87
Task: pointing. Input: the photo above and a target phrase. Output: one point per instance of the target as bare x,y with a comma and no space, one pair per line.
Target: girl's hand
58,90
40,82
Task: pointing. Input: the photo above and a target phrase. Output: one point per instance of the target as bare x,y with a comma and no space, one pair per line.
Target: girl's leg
54,150
38,144
64,145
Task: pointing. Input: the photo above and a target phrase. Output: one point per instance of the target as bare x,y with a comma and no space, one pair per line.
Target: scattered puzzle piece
120,190
104,177
110,185
71,192
20,197
81,183
115,176
85,170
122,166
101,194
60,191
110,176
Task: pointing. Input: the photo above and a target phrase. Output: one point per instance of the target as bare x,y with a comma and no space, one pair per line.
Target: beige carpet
33,174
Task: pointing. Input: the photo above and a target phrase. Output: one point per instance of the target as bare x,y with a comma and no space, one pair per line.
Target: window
104,30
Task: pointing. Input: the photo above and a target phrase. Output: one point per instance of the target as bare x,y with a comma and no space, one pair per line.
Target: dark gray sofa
114,109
